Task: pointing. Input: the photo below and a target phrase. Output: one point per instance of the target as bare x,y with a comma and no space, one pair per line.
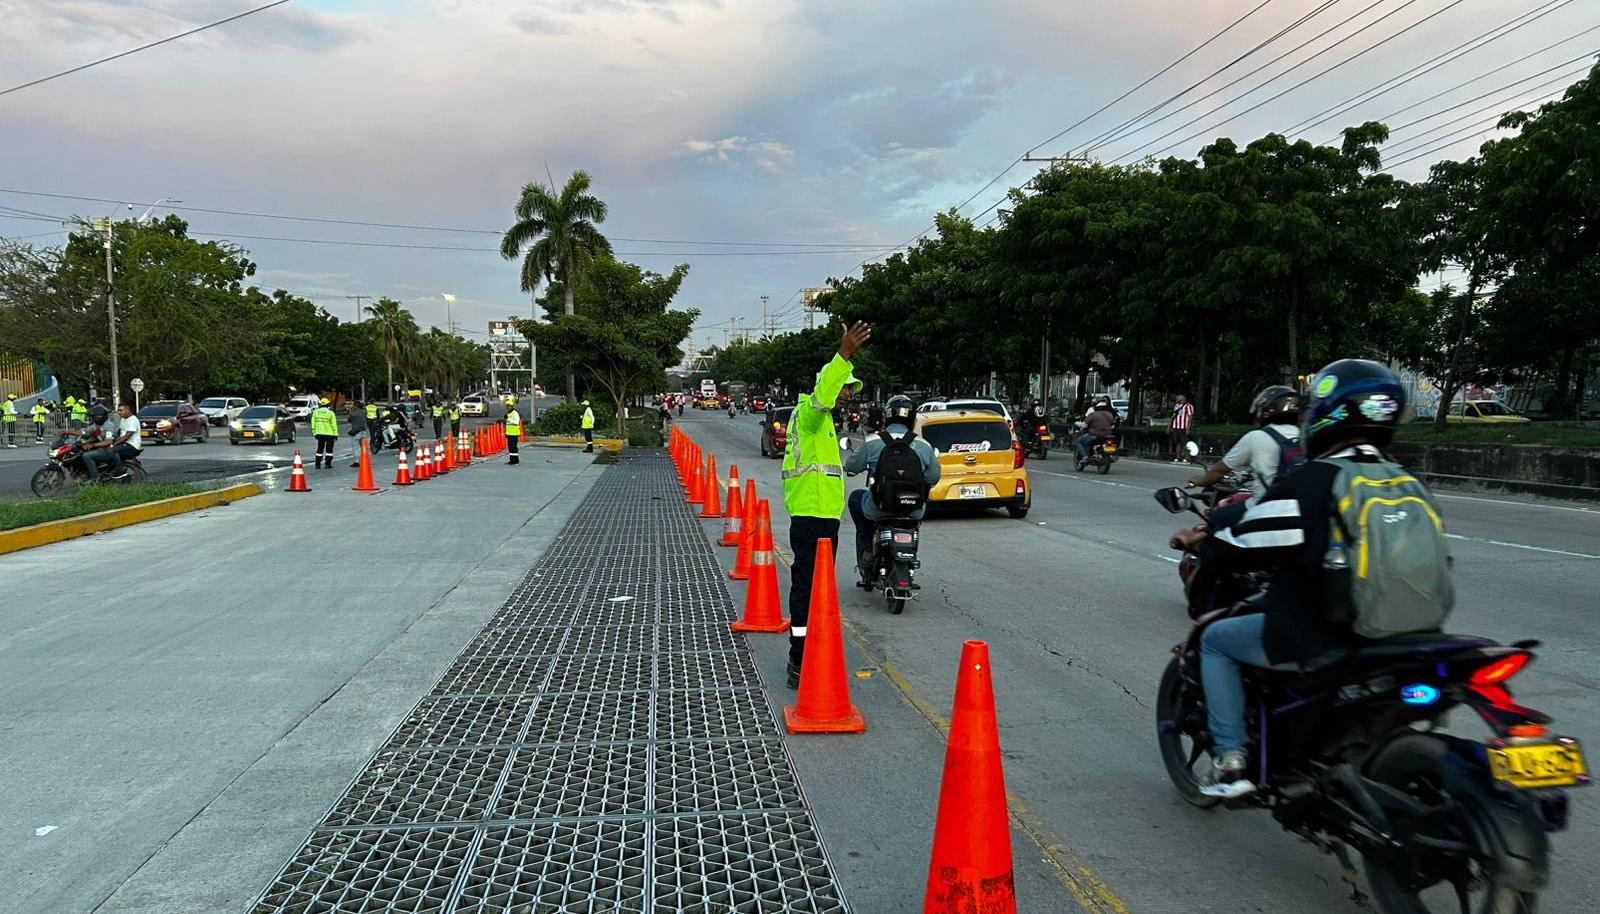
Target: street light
105,224
449,321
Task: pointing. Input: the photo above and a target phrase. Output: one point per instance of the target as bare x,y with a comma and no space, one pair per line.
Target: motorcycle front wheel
1185,758
1460,809
49,481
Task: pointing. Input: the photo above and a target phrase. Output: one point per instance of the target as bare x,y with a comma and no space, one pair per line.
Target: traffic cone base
823,702
297,475
762,610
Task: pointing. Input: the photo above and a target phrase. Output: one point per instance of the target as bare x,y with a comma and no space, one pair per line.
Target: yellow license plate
1539,765
146,433
249,434
1111,448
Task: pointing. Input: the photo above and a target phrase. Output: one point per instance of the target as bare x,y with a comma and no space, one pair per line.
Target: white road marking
1479,539
1167,558
43,830
1517,504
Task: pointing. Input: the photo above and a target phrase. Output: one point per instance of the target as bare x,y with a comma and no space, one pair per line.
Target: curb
612,445
56,531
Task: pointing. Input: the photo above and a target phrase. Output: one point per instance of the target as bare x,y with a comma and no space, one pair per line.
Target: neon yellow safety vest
324,422
80,410
438,412
40,414
813,474
372,410
513,423
8,411
455,414
588,417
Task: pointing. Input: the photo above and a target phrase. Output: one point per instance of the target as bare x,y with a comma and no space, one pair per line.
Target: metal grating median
602,745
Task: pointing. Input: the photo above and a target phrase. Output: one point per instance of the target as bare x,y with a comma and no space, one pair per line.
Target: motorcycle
1102,454
732,412
66,463
855,421
1206,590
1351,754
1039,442
398,437
892,564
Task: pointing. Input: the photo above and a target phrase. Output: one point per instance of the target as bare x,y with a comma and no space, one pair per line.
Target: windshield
156,410
213,403
260,412
782,415
1491,408
968,437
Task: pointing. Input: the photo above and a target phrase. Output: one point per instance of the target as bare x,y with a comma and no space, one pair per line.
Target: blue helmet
1350,399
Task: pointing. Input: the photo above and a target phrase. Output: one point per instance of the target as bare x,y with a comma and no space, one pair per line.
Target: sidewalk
604,744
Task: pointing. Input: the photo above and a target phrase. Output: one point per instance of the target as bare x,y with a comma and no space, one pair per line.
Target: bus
708,387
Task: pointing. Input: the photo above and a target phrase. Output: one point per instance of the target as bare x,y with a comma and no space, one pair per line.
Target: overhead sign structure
506,348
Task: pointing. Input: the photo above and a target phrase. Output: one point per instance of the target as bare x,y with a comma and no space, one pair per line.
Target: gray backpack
1389,538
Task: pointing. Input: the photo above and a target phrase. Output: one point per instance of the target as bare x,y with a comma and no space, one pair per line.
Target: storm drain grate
602,745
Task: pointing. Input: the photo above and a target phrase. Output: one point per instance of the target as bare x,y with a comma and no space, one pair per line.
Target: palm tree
396,331
558,231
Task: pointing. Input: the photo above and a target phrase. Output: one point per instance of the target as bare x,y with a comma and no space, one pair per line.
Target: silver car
222,410
265,423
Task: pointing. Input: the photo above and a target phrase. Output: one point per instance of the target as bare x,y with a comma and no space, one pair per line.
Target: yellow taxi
981,465
1484,412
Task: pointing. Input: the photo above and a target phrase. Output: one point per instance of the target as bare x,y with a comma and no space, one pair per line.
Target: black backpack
896,486
1291,454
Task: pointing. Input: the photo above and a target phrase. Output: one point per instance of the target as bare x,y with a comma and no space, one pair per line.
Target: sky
836,126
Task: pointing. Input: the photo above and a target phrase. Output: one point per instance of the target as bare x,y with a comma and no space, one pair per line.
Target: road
195,461
1080,605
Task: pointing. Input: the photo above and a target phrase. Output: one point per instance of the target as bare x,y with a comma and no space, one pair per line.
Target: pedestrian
41,414
455,420
1182,428
813,492
357,429
8,418
438,420
80,412
513,430
325,428
588,428
372,421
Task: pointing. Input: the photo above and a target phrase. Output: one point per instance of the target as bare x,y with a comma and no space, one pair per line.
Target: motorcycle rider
863,510
113,450
1355,408
1099,426
1028,423
1258,452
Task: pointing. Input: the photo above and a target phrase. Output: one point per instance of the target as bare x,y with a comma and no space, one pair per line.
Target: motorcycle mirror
1175,500
1191,448
846,443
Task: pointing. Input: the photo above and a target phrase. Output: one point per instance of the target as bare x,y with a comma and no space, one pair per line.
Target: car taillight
1043,429
1501,669
1017,459
1021,487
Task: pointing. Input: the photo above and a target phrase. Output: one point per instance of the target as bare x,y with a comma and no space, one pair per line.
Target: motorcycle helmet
1276,405
1350,399
98,414
899,409
1102,402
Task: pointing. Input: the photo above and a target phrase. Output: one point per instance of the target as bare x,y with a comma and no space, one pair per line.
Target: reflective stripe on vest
823,468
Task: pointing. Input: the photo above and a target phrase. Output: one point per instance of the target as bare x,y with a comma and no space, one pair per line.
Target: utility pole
450,322
359,309
765,330
104,224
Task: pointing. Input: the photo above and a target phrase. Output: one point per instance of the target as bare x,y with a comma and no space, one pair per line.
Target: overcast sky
842,122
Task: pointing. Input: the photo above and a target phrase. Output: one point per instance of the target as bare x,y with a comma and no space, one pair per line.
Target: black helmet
1102,402
899,408
1276,405
1352,398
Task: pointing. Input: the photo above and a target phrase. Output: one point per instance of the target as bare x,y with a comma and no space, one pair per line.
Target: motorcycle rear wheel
895,605
1414,763
49,482
1105,465
1178,751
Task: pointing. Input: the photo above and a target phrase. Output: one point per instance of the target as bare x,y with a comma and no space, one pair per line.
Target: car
171,421
222,410
302,405
982,404
758,403
980,461
474,405
1484,412
775,430
1120,406
266,423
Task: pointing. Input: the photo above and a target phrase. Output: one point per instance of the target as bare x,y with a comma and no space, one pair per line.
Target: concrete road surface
1080,603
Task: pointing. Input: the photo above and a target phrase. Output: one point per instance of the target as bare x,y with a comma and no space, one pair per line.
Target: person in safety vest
513,429
588,427
80,412
8,418
372,422
41,415
438,420
325,428
455,419
813,481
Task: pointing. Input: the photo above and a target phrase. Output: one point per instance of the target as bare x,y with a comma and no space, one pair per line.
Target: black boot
792,677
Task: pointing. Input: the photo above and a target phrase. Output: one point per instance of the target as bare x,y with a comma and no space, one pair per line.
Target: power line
1587,54
1476,129
1563,79
435,228
95,63
1318,75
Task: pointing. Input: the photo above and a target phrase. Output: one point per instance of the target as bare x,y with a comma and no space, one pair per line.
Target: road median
55,531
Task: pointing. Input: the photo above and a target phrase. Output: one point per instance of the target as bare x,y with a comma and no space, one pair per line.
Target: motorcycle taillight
903,537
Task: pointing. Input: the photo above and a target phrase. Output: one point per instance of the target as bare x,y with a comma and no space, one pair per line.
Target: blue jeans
1224,646
112,455
1084,443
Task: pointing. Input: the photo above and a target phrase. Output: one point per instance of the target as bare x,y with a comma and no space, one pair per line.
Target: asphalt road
1080,604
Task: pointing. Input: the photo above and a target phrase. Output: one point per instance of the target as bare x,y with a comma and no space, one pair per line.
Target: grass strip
88,500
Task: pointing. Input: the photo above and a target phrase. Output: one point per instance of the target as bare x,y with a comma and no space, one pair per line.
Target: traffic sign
136,384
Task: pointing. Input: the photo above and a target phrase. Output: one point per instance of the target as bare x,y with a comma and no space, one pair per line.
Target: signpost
136,385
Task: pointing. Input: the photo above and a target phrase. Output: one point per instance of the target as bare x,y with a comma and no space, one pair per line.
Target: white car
474,405
979,404
222,410
302,405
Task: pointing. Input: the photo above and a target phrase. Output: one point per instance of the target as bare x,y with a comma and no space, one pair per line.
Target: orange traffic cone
713,490
971,868
446,462
463,449
437,469
697,482
421,472
402,471
364,481
297,475
823,704
733,521
747,540
761,609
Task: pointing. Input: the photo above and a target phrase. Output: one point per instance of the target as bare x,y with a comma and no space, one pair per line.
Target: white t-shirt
1257,453
129,427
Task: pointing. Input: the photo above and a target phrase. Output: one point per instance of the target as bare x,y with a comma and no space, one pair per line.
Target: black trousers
372,430
455,427
804,532
325,445
438,427
511,445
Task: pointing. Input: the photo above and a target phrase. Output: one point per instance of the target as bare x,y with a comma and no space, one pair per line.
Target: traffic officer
813,481
455,420
41,415
588,427
8,418
513,429
325,427
372,422
80,412
438,420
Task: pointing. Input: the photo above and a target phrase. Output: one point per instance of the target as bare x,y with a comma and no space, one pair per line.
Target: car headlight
163,424
236,425
269,425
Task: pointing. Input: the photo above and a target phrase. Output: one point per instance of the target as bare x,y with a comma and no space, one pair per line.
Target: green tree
397,332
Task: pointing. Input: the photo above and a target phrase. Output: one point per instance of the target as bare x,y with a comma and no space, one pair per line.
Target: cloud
767,155
543,24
